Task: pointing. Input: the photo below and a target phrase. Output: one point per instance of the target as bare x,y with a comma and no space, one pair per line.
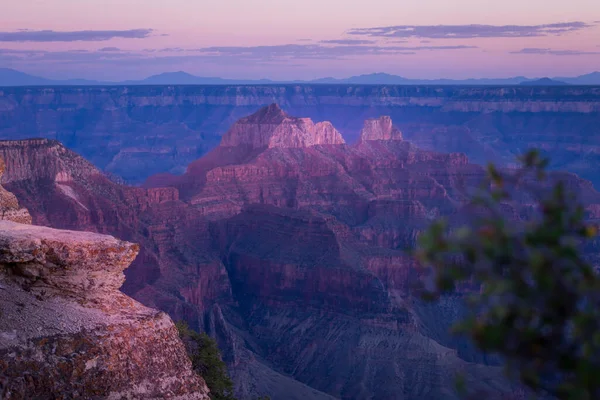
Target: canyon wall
9,205
135,132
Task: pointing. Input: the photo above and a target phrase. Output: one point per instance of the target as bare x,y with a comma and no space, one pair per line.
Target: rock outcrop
272,127
9,205
65,329
380,129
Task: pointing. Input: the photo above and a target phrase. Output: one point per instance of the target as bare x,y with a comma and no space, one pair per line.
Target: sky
300,39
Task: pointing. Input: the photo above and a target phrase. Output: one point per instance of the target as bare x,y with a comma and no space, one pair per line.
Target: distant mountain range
545,82
11,77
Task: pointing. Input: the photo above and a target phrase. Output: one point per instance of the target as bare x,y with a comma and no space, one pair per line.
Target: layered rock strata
9,205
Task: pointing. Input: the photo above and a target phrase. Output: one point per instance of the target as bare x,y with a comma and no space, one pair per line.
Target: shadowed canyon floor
288,245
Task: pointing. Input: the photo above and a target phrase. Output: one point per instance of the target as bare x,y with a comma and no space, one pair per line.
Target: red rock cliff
66,330
9,205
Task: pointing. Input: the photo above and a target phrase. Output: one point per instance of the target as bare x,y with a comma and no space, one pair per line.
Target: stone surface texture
66,331
9,205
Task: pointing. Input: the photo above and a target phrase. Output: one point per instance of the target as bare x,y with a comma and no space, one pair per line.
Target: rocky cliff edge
65,329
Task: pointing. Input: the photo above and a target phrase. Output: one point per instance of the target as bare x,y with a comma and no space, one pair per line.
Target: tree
538,303
207,362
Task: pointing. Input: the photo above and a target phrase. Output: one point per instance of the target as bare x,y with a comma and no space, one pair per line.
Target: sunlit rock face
67,331
271,127
380,129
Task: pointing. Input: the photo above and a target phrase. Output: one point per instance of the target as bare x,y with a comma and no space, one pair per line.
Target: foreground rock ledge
67,332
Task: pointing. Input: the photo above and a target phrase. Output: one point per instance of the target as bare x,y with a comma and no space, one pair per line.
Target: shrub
206,361
539,300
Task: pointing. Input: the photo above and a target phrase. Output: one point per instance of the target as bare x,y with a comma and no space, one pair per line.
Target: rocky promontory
65,329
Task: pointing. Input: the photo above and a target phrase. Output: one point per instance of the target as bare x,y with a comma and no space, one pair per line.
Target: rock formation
272,127
380,129
67,332
9,205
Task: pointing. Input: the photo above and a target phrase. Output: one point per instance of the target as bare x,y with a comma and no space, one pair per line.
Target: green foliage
539,300
207,362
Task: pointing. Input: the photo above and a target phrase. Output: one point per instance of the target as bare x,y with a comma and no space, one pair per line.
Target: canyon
134,132
291,248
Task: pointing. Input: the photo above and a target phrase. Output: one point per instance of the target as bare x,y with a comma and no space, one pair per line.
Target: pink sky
195,25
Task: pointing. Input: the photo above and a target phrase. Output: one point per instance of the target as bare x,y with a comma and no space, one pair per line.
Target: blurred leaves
534,299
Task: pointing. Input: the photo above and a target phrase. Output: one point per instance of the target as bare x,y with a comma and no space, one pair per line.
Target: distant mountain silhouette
11,77
388,79
183,78
369,79
544,82
587,79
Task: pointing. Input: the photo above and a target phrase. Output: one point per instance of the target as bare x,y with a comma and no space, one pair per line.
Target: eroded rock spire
271,127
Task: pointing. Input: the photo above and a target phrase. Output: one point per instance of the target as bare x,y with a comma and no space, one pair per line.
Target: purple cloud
535,50
317,51
256,55
72,36
110,49
347,41
172,50
471,31
69,56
